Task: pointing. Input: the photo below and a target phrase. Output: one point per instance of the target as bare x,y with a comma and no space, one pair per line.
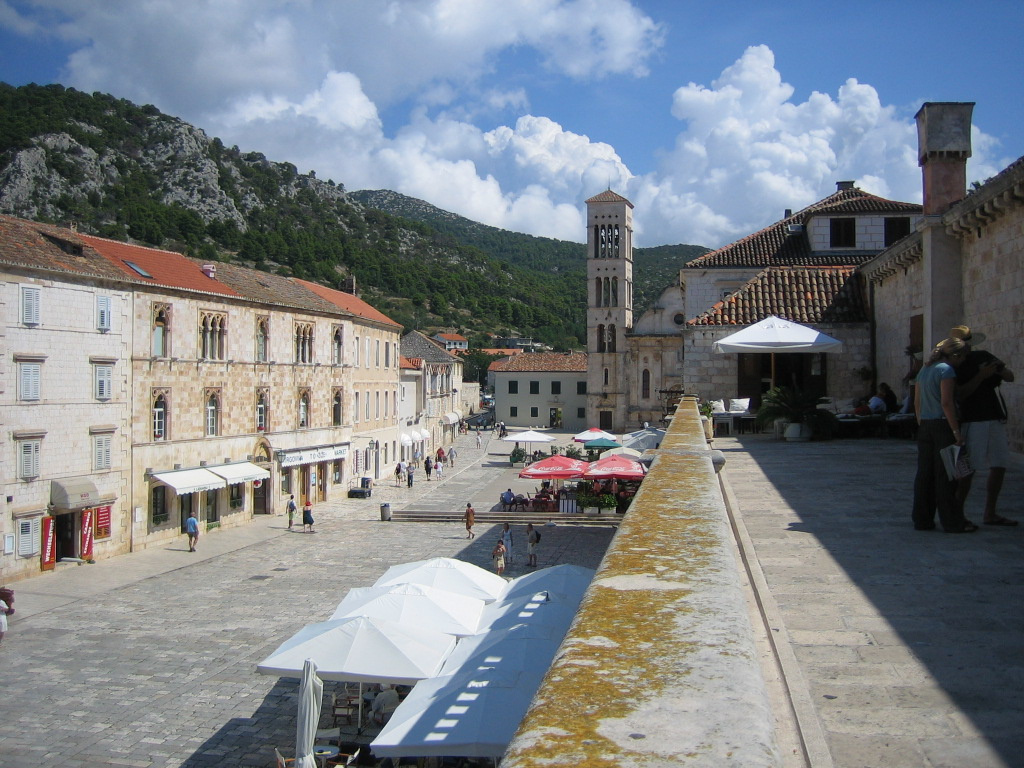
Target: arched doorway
262,500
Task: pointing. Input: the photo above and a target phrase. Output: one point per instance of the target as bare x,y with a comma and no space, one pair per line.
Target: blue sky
711,117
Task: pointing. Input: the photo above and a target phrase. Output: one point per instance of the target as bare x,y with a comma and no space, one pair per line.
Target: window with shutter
28,537
28,459
103,312
101,451
29,375
104,376
30,300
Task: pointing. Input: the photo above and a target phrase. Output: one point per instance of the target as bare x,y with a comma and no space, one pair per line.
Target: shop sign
103,522
313,455
86,540
49,549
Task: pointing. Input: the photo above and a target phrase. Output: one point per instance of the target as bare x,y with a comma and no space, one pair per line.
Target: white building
541,389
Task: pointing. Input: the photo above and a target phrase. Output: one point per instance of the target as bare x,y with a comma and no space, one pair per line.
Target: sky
710,117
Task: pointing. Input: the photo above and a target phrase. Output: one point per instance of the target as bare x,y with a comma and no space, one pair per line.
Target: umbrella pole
773,370
359,715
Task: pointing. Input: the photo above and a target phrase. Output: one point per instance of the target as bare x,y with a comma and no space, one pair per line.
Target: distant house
452,342
541,389
438,398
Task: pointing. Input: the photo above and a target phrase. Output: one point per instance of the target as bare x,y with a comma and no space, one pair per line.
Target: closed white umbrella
415,606
311,691
446,573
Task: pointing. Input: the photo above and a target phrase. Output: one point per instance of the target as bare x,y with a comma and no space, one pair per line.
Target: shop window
262,339
31,297
286,481
184,508
336,472
212,507
158,505
101,451
28,458
236,496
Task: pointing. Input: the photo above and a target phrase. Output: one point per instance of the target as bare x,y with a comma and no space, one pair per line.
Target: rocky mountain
130,172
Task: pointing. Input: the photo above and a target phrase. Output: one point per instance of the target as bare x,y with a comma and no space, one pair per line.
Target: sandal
1000,520
968,527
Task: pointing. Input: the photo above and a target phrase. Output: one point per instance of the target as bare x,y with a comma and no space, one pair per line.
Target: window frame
513,386
159,416
102,452
262,411
31,305
29,536
513,412
841,231
534,387
262,351
211,413
30,378
556,387
304,415
103,381
29,460
104,312
338,407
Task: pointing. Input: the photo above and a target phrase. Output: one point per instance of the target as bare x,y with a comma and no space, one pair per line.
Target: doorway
65,540
185,504
259,497
605,420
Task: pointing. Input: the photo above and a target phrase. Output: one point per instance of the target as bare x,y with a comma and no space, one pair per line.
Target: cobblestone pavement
150,659
902,647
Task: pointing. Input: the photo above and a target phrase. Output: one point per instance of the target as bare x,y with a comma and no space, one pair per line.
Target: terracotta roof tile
348,302
166,269
609,197
409,363
800,294
42,246
775,246
268,288
542,361
452,337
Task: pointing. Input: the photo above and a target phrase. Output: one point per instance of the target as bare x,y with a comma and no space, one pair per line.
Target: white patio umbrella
361,649
594,434
415,606
774,334
529,436
311,692
623,451
570,581
548,609
446,573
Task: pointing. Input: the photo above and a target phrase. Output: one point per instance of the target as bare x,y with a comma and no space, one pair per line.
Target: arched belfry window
607,301
597,291
611,338
615,292
615,246
606,377
600,338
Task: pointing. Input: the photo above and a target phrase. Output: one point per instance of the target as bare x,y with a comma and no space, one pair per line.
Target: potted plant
798,409
518,456
573,452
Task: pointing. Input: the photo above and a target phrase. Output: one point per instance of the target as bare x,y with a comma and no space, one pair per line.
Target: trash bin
385,512
367,482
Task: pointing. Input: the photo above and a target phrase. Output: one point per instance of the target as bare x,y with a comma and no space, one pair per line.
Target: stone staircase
608,518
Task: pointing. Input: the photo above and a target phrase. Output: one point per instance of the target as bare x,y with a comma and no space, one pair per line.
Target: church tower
609,308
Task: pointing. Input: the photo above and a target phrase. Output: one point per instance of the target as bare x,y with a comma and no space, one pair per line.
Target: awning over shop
190,480
424,435
241,472
450,418
74,493
406,440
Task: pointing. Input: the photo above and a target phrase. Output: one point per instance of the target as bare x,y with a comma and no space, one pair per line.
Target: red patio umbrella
618,467
555,468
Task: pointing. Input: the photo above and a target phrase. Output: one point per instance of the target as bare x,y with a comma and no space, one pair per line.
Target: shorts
986,444
531,548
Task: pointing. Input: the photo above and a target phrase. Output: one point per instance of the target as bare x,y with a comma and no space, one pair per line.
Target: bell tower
609,308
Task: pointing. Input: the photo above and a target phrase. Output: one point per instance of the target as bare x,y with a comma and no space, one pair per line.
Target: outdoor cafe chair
344,707
282,762
342,759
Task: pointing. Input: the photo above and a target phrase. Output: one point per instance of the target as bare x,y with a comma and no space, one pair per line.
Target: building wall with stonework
655,371
64,404
704,288
525,408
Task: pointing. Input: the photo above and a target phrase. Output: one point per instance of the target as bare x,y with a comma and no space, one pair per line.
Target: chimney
210,270
944,144
349,285
841,185
787,213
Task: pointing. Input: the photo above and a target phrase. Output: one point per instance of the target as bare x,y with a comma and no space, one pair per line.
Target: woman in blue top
938,428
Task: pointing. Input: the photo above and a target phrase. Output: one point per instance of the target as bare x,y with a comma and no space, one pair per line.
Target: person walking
479,441
451,457
532,540
398,473
470,518
410,474
938,428
291,511
506,538
983,421
307,516
438,470
428,466
192,529
5,611
498,557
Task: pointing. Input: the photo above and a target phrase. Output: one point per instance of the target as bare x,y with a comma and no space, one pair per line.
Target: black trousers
933,490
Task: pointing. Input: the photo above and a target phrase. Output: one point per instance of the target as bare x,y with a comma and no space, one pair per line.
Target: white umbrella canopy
594,434
514,648
570,581
547,609
446,573
773,334
311,692
529,436
623,451
469,714
415,605
362,649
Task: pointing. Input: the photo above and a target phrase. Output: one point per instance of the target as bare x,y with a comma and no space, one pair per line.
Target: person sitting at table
508,499
384,704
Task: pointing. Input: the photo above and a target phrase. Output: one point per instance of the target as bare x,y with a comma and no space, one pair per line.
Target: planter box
798,433
592,511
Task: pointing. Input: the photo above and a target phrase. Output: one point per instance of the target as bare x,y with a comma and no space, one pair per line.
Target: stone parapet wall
660,666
